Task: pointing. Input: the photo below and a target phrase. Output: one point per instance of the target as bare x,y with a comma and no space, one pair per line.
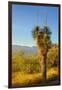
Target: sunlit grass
53,72
20,78
23,79
26,70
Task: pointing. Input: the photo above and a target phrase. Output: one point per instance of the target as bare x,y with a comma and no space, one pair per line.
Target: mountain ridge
25,49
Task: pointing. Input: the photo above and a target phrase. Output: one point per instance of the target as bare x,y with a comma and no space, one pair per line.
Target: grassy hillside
26,68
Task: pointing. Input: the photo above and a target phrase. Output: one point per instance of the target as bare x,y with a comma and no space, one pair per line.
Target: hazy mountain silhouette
25,49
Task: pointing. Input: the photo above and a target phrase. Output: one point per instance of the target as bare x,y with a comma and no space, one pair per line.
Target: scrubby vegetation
26,69
28,64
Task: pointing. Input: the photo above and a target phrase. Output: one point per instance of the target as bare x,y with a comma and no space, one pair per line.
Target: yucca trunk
41,58
44,69
42,63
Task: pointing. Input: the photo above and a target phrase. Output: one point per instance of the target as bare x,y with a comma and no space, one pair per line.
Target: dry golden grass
20,78
52,72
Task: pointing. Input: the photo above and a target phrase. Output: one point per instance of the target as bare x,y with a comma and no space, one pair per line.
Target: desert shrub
28,64
53,57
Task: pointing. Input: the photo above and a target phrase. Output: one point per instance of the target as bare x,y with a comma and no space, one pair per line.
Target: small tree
43,42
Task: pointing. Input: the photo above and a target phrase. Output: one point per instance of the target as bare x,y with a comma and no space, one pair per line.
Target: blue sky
25,17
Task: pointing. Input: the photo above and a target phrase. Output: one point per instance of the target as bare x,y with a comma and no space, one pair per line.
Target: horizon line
28,45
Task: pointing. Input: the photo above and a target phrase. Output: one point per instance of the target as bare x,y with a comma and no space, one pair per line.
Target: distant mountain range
25,49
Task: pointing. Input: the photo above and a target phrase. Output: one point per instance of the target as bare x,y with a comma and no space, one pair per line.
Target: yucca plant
43,43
